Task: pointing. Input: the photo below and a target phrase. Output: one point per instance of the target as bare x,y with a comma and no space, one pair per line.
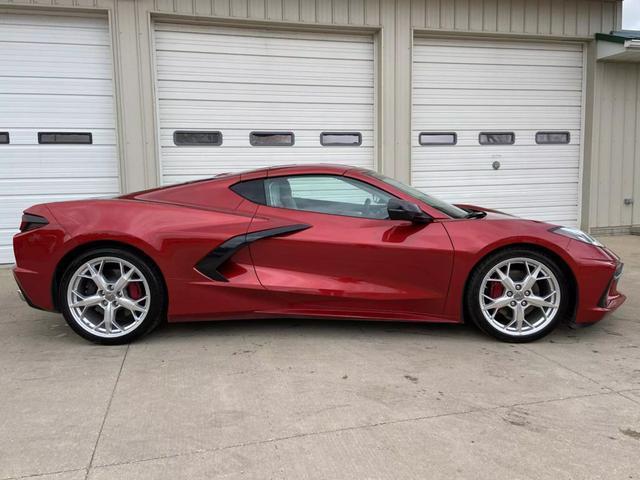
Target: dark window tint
433,138
552,138
329,139
271,139
4,137
64,137
252,190
183,137
497,138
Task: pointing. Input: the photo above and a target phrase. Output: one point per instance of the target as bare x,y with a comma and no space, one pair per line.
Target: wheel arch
92,245
561,262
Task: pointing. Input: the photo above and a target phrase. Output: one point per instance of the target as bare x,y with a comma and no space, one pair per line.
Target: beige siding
391,21
615,163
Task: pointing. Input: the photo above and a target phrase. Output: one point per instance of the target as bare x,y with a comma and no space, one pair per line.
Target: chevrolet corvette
315,241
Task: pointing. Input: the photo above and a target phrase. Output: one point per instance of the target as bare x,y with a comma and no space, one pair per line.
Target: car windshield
444,207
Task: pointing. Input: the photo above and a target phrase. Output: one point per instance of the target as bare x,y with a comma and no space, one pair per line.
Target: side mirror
403,210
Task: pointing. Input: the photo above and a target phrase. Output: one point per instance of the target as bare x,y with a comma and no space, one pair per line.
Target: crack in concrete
106,413
345,429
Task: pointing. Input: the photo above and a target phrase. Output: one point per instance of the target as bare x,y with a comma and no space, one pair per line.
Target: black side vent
211,264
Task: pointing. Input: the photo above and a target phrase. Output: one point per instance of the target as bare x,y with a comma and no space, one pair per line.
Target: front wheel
518,295
111,296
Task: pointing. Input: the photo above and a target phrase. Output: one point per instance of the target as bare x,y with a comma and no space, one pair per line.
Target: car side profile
315,241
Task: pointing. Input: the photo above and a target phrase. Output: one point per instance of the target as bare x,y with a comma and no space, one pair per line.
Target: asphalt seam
106,413
346,429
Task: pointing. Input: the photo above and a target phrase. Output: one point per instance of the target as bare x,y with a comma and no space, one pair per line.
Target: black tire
157,305
472,294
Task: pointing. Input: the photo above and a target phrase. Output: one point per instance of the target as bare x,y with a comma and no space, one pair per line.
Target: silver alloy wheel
108,297
519,296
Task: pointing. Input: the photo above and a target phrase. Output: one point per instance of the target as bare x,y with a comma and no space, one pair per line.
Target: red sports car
316,241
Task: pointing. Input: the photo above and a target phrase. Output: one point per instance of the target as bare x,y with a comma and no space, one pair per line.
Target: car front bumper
597,276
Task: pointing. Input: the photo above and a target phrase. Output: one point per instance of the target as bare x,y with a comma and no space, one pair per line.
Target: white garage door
55,80
510,113
261,97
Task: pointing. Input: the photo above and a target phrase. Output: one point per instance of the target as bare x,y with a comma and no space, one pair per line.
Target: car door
343,256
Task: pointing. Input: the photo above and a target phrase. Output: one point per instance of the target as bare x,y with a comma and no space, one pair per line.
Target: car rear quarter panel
174,237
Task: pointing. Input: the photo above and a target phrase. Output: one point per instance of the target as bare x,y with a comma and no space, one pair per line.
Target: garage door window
4,137
438,138
183,137
341,139
64,138
497,138
552,138
271,139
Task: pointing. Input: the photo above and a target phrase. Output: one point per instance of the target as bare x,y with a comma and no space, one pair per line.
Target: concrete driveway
321,399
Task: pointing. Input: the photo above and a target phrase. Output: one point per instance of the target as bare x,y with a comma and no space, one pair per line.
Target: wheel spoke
124,279
541,302
96,276
519,317
531,278
132,305
86,301
498,303
505,279
109,317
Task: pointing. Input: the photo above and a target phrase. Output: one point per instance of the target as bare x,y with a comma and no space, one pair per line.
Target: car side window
334,195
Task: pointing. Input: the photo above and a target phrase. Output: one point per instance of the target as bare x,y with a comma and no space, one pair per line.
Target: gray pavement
321,399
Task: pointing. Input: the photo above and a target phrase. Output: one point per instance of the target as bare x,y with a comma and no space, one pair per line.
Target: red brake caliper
496,290
134,291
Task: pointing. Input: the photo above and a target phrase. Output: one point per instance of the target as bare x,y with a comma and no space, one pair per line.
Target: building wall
394,23
615,164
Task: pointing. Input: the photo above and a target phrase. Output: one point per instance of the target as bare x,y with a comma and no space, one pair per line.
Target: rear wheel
111,296
518,295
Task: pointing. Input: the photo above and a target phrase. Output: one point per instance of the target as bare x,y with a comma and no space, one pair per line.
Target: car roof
299,169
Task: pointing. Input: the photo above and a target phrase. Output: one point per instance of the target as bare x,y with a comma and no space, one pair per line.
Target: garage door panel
56,75
505,44
273,46
264,116
217,91
58,161
497,77
195,30
56,86
62,111
28,138
498,178
182,167
70,35
244,69
483,160
236,81
546,196
469,138
240,138
82,187
482,55
471,96
506,118
80,61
